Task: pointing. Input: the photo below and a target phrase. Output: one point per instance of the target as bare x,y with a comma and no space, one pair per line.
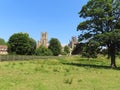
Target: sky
57,17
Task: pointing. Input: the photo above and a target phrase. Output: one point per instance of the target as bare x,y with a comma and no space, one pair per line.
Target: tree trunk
113,62
112,55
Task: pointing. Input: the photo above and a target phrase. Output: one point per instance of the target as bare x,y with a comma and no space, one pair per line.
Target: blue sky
57,17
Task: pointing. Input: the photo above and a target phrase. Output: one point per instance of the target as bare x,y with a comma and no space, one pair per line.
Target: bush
63,53
43,51
66,49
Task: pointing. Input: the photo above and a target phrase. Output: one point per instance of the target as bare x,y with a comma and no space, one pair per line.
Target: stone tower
43,40
73,42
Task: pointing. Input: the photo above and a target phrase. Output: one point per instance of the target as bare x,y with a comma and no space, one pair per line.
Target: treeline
23,44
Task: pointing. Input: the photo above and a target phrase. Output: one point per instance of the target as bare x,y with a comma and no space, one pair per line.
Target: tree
78,48
66,49
102,21
2,41
90,49
55,46
32,48
21,43
43,51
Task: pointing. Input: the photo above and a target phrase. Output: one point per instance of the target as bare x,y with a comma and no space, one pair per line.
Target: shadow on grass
90,66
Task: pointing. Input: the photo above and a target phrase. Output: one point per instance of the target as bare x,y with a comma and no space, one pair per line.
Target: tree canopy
66,49
2,41
102,25
55,46
32,48
22,44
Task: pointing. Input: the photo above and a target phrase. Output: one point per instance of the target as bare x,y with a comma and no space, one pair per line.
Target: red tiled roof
3,46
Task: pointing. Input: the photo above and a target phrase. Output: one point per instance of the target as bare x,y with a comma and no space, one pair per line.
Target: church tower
43,40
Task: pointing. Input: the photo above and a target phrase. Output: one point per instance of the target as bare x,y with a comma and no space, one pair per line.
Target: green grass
62,73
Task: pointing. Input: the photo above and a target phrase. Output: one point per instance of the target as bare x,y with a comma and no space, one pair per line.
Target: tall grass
60,73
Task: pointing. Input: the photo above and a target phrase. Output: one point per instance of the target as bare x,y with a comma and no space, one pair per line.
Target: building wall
3,49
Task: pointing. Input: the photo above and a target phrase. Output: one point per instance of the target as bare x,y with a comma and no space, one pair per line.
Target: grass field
62,73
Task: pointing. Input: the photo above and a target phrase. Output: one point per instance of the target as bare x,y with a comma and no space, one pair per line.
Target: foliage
90,49
32,48
66,49
63,53
21,43
43,51
55,46
2,41
102,18
78,48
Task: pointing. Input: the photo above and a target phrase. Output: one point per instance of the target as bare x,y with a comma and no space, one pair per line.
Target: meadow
61,73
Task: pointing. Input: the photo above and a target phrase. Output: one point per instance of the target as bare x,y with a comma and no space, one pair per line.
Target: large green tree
55,46
22,44
102,24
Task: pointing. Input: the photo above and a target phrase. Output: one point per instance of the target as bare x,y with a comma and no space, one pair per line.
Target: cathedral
43,40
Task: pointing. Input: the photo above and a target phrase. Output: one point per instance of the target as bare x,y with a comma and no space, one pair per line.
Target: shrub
66,49
43,51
